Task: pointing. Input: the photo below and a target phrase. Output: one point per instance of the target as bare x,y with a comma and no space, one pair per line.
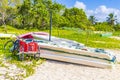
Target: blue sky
99,8
92,4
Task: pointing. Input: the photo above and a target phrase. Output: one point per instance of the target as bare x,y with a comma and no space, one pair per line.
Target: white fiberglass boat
72,51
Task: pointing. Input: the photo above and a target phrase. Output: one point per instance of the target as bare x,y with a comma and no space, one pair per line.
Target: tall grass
93,39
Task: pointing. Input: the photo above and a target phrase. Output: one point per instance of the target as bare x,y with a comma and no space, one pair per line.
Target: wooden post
50,26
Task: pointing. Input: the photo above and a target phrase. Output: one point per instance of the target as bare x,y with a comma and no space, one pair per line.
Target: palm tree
92,19
111,19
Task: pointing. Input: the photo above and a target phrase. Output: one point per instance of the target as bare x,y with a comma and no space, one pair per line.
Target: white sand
54,70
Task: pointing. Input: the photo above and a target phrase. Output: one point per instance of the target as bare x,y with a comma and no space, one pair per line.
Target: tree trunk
4,24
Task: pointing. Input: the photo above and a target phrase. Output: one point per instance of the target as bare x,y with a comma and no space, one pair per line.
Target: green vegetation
94,39
35,14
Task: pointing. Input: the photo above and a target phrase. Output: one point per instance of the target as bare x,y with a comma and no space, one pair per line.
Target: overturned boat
72,51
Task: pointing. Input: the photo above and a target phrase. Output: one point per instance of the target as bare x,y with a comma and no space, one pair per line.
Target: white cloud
80,5
102,12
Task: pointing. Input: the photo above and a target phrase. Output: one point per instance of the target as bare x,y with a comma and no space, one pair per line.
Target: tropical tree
92,19
117,27
57,17
3,7
6,7
111,19
76,17
23,13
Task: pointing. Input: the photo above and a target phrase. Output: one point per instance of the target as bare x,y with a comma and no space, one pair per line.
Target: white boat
80,54
74,52
3,35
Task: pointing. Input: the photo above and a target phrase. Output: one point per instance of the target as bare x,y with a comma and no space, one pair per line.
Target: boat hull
73,56
94,62
77,52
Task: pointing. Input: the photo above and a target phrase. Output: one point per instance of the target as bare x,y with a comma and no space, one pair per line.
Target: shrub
103,27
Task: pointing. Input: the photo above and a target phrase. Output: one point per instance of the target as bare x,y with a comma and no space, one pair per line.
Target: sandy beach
55,70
